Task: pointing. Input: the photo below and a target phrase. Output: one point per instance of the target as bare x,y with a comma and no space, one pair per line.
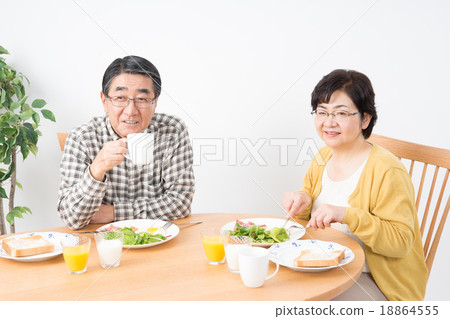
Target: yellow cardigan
383,215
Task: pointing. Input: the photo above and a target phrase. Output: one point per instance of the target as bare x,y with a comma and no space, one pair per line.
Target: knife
96,231
85,232
190,223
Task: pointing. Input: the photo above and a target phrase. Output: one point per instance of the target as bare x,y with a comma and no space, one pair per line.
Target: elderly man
98,183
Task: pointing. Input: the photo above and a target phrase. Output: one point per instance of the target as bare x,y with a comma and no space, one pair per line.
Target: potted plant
19,122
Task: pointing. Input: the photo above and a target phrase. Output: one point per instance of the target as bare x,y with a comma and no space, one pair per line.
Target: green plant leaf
33,149
48,115
3,50
31,135
38,104
16,81
24,77
22,102
3,193
11,141
10,131
7,160
19,138
24,150
17,212
26,106
5,175
10,75
18,91
19,185
13,120
14,105
2,96
3,151
6,103
36,117
26,115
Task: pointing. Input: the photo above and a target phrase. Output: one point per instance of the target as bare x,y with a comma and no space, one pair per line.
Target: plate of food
142,233
32,247
265,231
310,255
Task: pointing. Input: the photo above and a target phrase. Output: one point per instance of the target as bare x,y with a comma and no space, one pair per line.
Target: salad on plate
134,236
259,233
264,231
142,233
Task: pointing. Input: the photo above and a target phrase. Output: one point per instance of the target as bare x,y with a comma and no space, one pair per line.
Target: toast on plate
319,258
27,246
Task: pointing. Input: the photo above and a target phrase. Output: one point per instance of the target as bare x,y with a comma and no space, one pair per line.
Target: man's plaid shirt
162,190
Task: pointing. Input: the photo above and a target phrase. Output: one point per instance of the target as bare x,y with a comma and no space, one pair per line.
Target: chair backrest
62,139
433,157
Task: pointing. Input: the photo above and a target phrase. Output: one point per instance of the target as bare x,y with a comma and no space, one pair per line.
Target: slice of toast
27,246
319,258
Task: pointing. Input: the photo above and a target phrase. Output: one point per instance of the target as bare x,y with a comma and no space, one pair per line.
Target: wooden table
176,270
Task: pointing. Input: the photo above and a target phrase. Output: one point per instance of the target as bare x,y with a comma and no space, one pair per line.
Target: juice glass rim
75,241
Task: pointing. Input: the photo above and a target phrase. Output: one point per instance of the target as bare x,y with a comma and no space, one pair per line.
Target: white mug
140,148
253,266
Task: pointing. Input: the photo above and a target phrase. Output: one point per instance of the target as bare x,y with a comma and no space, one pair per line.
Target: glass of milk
109,248
233,245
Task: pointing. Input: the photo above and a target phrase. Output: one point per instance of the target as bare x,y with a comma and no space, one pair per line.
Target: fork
293,225
286,221
167,225
297,226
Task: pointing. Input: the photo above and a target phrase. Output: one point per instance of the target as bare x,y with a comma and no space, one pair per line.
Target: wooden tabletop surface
176,270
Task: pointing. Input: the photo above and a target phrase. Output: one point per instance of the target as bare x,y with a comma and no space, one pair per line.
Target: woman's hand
294,203
326,214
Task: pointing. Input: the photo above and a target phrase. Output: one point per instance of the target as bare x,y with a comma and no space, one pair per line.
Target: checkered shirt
161,190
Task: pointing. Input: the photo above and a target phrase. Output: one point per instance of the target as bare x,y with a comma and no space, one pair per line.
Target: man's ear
103,97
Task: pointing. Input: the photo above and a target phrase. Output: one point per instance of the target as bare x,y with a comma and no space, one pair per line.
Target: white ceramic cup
254,265
140,148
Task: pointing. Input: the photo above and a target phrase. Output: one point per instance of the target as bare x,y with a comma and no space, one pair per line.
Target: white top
337,194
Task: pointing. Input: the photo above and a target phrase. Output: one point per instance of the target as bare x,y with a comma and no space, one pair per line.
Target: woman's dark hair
134,65
356,85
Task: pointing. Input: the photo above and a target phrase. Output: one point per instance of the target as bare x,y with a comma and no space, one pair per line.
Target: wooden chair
429,156
62,139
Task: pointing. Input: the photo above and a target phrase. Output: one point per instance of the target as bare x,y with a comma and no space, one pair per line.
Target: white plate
143,225
294,233
52,237
286,252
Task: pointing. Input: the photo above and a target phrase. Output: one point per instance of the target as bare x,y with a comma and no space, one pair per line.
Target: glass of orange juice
76,253
212,240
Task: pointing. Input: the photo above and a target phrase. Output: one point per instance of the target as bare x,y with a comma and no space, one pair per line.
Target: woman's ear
366,120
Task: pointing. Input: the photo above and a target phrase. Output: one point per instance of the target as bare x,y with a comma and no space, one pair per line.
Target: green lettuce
261,235
130,237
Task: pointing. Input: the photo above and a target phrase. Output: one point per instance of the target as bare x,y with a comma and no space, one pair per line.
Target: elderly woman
362,190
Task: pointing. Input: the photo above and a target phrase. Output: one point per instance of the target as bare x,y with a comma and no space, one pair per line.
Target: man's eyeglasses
139,102
321,115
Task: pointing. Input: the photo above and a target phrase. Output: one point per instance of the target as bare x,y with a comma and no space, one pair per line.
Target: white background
236,72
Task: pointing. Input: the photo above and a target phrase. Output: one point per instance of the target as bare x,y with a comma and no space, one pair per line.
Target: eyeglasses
139,102
338,115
